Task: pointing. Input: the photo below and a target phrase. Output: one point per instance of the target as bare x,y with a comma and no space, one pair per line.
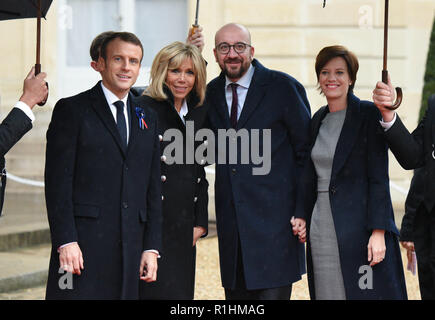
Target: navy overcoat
102,196
258,208
360,200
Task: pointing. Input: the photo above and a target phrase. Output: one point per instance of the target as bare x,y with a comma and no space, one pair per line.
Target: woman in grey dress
352,250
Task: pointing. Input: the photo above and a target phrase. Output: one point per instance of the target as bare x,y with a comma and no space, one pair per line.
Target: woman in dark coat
176,92
352,250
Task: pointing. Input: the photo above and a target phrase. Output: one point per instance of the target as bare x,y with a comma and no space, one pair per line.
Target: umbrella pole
38,40
38,50
384,70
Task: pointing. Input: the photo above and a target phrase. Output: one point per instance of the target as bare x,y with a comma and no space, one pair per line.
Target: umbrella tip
324,3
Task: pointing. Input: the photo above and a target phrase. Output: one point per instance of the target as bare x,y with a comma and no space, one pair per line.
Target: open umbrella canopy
21,9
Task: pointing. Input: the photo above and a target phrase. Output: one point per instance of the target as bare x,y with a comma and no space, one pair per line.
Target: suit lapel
221,101
348,134
101,107
257,90
315,124
134,122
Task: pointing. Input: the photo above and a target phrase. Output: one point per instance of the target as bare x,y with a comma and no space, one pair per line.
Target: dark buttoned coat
359,194
255,208
185,202
101,195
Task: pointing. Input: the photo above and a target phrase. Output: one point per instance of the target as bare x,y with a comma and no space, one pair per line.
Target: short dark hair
95,48
124,36
329,53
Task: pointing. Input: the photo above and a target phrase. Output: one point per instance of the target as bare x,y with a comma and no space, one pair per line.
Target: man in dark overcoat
259,256
102,184
415,150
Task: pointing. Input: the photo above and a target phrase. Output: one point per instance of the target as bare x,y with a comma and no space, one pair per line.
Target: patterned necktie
120,121
234,105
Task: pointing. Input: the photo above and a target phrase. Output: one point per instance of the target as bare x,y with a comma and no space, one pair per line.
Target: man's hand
71,258
197,233
148,267
383,96
376,247
299,227
196,39
34,88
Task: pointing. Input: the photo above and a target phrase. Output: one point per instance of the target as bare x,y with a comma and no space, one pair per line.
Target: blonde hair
171,57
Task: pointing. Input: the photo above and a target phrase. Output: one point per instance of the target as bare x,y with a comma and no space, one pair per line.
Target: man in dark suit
102,184
260,258
19,120
414,151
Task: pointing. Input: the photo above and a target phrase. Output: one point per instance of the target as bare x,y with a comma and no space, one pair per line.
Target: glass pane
89,18
158,23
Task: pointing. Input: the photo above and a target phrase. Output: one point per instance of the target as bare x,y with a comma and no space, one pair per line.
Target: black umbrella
21,9
384,70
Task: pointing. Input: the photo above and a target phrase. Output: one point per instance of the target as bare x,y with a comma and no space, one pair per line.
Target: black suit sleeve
153,233
201,205
12,129
406,147
409,148
59,173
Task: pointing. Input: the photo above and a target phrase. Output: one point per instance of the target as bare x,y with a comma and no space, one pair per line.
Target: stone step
23,222
24,268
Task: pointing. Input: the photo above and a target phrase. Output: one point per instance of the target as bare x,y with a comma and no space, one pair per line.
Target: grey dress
328,279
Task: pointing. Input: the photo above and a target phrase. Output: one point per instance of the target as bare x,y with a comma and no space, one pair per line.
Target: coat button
163,198
233,170
195,199
199,180
163,178
125,205
163,158
333,190
160,137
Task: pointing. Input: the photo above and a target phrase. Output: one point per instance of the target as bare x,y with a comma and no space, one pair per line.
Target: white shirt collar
245,80
184,110
111,97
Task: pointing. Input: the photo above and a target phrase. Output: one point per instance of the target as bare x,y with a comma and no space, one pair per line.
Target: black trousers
241,293
424,242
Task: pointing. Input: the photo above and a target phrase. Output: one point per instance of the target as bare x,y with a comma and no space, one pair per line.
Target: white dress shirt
242,90
183,111
387,125
111,99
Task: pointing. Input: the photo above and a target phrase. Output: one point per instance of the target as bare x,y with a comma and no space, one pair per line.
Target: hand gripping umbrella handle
193,29
38,71
399,94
